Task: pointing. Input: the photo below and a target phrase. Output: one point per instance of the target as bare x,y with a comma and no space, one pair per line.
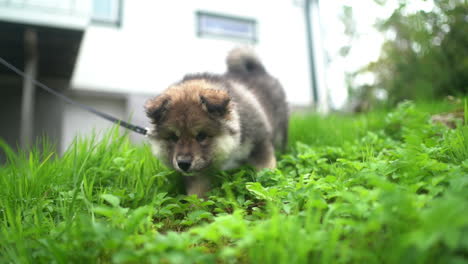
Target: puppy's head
195,125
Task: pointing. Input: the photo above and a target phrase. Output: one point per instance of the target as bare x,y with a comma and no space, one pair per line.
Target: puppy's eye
201,136
173,137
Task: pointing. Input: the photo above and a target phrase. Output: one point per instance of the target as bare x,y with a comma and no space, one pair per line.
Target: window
215,25
107,12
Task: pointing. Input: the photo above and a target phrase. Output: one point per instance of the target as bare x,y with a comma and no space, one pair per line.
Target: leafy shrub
424,57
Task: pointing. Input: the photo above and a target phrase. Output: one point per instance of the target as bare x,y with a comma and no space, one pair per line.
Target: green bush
427,56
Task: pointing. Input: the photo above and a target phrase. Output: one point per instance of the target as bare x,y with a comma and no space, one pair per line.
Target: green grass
374,188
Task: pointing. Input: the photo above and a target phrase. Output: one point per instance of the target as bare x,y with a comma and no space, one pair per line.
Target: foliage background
424,57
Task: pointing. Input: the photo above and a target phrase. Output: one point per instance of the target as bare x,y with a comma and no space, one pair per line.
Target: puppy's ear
156,108
215,101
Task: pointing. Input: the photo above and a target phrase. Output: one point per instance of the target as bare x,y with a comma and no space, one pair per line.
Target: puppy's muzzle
184,162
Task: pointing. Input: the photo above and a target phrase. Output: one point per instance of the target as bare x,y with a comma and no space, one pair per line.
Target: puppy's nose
184,162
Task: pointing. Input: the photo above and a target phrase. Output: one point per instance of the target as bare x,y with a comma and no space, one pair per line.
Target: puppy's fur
209,121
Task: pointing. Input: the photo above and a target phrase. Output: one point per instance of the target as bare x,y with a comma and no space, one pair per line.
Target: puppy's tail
244,61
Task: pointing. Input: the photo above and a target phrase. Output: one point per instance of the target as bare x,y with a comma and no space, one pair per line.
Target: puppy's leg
263,156
197,184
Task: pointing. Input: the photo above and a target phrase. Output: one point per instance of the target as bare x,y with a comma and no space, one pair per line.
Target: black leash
88,108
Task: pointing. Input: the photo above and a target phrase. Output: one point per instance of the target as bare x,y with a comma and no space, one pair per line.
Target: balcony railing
56,13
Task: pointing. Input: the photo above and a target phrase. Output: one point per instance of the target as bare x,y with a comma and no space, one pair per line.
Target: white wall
78,122
137,116
157,44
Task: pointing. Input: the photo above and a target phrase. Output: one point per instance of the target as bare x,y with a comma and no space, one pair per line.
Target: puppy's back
244,66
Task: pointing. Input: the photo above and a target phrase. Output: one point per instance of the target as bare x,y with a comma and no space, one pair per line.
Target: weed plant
380,188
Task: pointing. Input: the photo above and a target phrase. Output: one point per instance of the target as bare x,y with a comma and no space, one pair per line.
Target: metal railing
68,7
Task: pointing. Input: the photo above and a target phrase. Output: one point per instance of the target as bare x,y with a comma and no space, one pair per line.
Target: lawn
374,188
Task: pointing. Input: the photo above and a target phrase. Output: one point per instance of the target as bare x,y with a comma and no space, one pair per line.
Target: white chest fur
239,155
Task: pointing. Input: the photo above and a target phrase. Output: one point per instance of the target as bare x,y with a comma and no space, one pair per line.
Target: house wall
78,122
134,108
157,44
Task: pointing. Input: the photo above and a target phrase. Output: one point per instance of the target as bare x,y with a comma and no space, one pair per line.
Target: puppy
209,122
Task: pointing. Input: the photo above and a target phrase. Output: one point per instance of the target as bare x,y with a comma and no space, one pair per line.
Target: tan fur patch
185,104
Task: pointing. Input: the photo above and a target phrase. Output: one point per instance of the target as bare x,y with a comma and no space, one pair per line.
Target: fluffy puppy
207,122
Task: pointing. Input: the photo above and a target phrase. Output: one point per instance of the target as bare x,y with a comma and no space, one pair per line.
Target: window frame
252,22
103,22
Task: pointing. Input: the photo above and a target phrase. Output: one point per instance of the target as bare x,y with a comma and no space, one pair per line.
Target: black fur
157,114
213,108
